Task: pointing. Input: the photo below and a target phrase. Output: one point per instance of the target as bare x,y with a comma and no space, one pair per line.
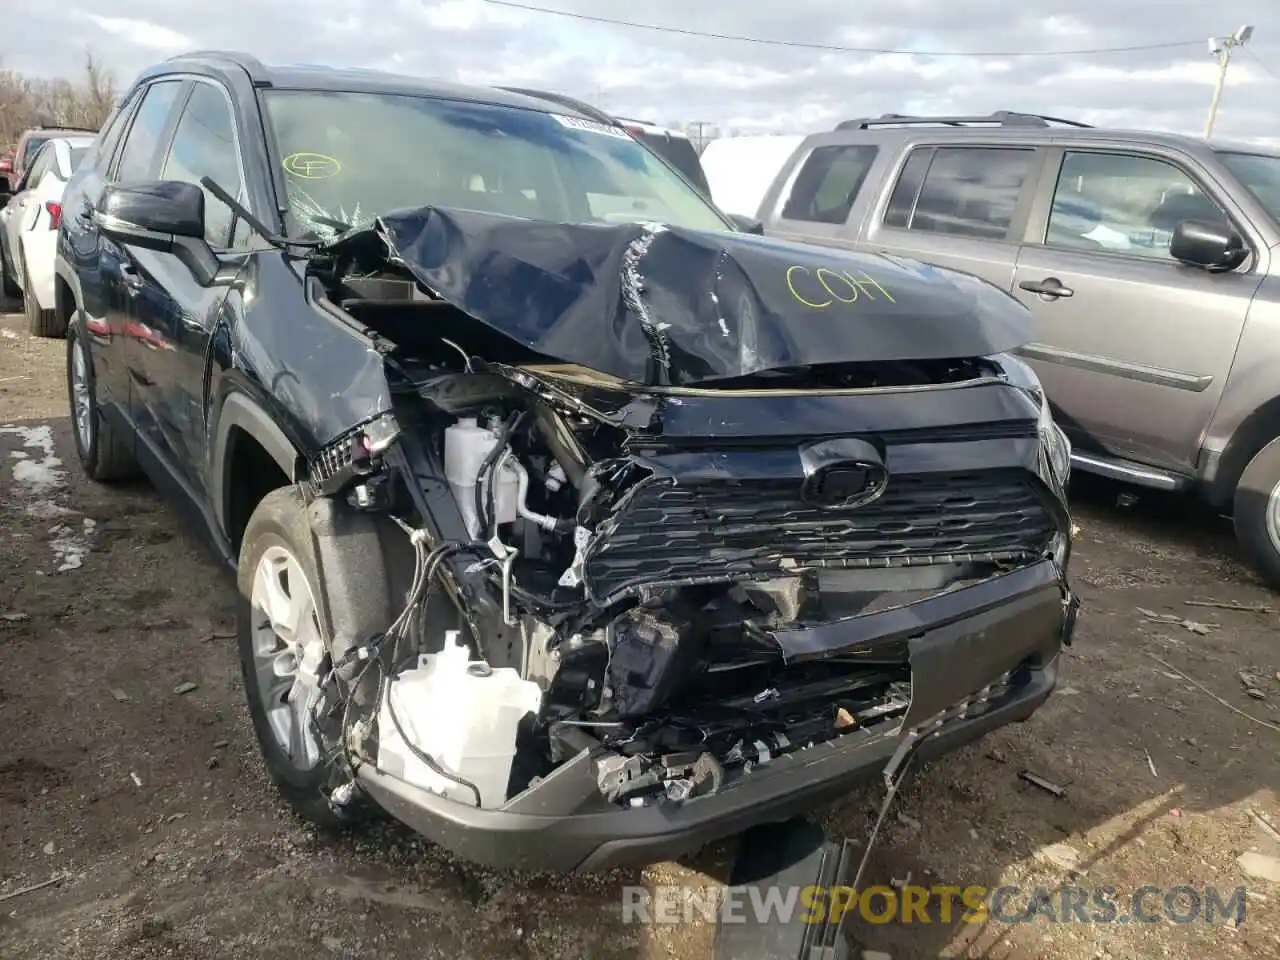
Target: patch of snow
40,478
9,334
47,510
71,545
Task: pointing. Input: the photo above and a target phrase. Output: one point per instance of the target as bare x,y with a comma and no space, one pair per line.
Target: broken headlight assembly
1054,442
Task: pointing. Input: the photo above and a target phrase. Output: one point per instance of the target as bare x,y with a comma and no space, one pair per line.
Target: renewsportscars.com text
936,904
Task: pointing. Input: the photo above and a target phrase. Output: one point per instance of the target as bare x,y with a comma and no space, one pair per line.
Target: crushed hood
667,306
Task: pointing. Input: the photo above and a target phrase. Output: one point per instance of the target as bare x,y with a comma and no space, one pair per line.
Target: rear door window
965,191
828,183
30,148
143,140
105,146
41,163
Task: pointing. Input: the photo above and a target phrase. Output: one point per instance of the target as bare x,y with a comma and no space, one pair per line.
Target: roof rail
65,126
246,61
1001,118
564,100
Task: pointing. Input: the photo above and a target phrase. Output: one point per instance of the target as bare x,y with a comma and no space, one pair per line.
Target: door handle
1050,288
130,277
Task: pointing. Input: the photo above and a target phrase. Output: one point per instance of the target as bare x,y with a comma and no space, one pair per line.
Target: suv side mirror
166,216
166,208
747,224
1213,246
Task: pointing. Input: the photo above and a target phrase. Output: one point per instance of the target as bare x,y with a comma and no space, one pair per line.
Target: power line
1260,62
834,48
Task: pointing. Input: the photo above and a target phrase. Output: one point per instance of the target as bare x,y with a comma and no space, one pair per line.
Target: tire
40,323
103,453
8,288
279,523
1257,525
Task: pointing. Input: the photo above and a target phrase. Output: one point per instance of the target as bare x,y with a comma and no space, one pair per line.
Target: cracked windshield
350,157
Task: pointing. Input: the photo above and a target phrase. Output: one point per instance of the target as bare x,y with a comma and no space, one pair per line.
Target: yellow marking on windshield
312,166
837,286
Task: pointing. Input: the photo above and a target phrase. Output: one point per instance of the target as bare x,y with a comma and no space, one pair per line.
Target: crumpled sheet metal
667,306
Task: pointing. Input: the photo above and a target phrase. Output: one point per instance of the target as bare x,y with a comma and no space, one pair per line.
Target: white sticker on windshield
590,126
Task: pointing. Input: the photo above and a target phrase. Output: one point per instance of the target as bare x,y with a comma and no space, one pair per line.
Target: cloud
754,87
145,36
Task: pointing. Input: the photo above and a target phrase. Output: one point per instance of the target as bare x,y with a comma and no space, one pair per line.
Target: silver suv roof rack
1001,118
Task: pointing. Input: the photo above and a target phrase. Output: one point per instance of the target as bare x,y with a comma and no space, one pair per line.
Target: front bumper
960,643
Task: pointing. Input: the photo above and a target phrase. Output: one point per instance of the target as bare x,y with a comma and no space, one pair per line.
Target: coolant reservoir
466,445
463,714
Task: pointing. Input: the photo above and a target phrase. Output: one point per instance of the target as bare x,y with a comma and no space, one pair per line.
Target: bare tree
85,101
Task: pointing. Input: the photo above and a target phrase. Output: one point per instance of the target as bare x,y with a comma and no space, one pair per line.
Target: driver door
1133,348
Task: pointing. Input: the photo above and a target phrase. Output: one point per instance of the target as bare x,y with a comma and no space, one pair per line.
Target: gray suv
1149,261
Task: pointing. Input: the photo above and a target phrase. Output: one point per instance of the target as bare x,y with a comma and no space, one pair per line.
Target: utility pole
1222,47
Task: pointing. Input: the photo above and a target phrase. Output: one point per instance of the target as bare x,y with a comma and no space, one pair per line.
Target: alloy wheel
288,652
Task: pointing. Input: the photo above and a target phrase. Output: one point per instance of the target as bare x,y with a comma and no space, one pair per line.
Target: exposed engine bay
642,556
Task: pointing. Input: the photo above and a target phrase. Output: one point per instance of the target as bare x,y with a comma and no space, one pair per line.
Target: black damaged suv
573,523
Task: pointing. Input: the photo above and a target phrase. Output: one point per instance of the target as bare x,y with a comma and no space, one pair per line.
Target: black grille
669,532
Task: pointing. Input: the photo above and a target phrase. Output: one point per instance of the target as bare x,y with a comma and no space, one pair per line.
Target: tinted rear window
828,183
678,152
29,149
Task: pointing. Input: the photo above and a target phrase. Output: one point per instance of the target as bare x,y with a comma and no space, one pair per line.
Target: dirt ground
153,807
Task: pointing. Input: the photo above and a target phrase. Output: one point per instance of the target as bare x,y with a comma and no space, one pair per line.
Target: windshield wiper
339,225
259,227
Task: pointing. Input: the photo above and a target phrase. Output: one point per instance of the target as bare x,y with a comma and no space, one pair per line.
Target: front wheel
284,655
103,453
1256,512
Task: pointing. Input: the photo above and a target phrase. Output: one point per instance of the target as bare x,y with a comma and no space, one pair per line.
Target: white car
29,230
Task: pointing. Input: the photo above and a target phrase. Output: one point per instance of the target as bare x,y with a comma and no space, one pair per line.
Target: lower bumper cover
1017,622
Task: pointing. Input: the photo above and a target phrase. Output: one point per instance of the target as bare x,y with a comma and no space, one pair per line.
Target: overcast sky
756,88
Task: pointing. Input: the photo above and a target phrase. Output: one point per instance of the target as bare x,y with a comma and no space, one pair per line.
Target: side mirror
747,224
168,208
166,216
1213,246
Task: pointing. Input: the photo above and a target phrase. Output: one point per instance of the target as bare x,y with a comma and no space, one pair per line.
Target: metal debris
1196,683
1252,684
34,887
1265,823
1150,763
187,687
119,695
1048,786
1172,618
1230,605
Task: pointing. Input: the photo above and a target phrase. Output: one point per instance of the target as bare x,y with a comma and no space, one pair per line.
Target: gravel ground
154,809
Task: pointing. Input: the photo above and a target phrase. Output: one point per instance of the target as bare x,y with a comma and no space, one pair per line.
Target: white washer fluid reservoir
464,715
466,445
